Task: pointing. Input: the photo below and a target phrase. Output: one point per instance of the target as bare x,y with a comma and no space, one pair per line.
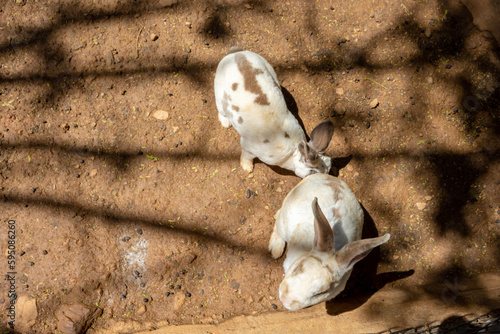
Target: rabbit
248,97
324,242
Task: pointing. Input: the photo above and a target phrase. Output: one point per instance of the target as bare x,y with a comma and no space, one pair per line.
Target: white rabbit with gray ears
248,97
321,223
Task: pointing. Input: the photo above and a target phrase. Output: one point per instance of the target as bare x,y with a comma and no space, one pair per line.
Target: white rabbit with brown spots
248,96
321,223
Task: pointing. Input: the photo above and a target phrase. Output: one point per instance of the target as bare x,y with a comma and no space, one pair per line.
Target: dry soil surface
129,207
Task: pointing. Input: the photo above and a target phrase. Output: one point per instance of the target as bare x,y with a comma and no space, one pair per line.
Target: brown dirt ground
150,222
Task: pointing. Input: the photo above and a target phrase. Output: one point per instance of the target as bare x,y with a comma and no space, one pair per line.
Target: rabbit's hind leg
276,244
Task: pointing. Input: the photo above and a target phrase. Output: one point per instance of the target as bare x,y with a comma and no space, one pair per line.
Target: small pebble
188,294
31,263
448,66
179,286
274,306
44,252
125,239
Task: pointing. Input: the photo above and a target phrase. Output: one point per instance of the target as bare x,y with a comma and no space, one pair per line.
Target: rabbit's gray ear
321,136
323,233
355,251
307,152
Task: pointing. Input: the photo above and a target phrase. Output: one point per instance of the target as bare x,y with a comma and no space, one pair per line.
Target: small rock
374,103
428,198
428,32
429,80
175,129
339,91
26,313
109,58
141,310
160,114
191,257
76,318
179,301
421,205
93,172
154,37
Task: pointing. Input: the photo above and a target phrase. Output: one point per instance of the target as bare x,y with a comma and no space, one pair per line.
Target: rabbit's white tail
234,49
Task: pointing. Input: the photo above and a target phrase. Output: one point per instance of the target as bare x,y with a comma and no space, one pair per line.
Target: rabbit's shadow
291,104
364,281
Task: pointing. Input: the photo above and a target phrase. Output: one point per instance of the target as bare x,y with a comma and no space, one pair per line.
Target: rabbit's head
321,275
311,157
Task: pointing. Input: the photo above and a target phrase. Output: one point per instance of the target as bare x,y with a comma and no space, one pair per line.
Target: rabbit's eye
320,293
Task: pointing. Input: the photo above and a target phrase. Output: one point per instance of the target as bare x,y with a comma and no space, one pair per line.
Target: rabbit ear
321,136
323,233
307,153
353,252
